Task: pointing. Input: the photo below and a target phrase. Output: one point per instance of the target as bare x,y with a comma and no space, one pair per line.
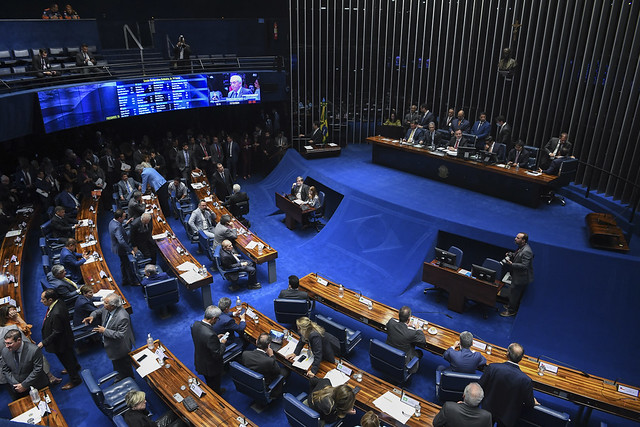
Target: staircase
126,62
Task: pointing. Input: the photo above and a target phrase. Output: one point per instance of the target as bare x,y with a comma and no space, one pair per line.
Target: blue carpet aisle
376,241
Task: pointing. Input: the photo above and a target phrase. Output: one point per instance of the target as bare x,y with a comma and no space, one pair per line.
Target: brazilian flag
324,128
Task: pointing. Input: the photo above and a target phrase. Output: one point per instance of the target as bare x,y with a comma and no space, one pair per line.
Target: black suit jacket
315,136
222,187
56,329
141,236
208,349
503,135
293,294
233,201
61,227
425,119
36,63
461,414
198,153
304,193
400,336
257,360
325,347
507,390
523,158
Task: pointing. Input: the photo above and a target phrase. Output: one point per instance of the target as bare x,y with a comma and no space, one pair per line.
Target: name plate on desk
196,390
322,281
549,367
628,390
365,301
480,345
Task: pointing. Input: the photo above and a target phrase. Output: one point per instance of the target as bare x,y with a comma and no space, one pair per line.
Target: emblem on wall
443,172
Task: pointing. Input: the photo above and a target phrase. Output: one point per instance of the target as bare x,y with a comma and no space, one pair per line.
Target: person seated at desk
554,166
315,137
312,198
263,361
554,149
85,60
491,146
72,260
322,344
65,287
136,206
234,199
332,403
518,156
465,413
226,322
152,276
138,416
458,141
202,218
392,121
431,137
84,306
292,292
404,337
224,230
462,358
414,134
299,189
62,227
230,260
68,201
126,186
370,419
41,65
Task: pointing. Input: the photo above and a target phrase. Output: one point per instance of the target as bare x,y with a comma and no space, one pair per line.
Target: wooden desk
320,151
509,184
212,410
91,272
245,235
604,232
169,246
569,384
14,246
371,387
22,405
293,211
460,286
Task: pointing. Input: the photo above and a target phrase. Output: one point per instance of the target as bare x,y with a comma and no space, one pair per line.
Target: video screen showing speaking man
234,88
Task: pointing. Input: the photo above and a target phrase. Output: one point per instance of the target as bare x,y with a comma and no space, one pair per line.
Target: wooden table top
92,272
22,405
570,384
542,179
371,387
11,247
212,410
168,247
245,235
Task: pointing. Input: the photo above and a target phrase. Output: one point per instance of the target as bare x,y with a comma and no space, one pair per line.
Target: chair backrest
533,156
452,384
94,390
337,330
299,414
46,264
321,200
163,293
249,382
21,54
544,416
567,172
45,228
242,208
205,243
387,359
458,252
493,265
289,310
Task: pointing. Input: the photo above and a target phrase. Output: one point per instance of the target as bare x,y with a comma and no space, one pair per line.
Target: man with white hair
117,336
465,413
462,358
235,87
238,197
209,348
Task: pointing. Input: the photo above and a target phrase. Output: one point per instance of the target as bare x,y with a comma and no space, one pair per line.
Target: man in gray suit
224,231
520,264
126,186
117,335
185,162
203,219
404,337
465,413
22,365
209,348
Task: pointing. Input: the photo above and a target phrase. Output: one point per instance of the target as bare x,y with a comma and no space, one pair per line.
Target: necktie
478,126
231,149
16,356
128,187
205,151
222,175
517,155
71,282
218,150
186,158
457,143
411,136
233,94
110,161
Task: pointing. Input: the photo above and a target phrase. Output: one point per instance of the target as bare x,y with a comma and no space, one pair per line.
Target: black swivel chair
566,174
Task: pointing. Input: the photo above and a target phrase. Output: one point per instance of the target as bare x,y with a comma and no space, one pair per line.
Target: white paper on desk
83,223
533,173
452,152
252,244
159,236
331,144
102,293
208,199
13,233
298,202
197,185
336,377
24,210
479,345
89,260
501,165
32,416
146,197
549,367
306,363
390,403
464,272
191,276
289,348
44,408
148,365
186,266
87,244
308,147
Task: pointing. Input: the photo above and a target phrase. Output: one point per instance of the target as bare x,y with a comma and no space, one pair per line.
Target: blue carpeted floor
386,226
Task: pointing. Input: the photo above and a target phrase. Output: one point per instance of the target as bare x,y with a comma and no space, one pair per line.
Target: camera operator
520,263
181,55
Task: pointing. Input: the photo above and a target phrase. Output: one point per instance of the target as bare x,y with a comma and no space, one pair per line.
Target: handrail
126,30
170,46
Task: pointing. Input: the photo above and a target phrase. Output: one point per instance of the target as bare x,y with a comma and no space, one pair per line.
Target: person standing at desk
209,348
403,337
322,344
520,263
299,189
315,137
22,365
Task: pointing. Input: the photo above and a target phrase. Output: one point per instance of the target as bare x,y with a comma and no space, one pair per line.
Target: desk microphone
433,312
563,364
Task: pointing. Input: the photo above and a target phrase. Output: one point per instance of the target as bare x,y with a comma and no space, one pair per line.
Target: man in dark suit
414,134
299,189
136,206
232,154
554,149
227,323
22,365
518,156
458,141
481,129
460,123
62,227
117,335
446,121
460,356
236,198
431,137
152,276
507,389
494,147
65,287
292,292
263,361
404,337
120,246
41,65
315,136
503,133
203,157
222,182
426,117
554,166
141,236
108,165
68,201
465,413
126,186
72,260
185,162
520,263
85,60
209,348
57,337
231,261
236,90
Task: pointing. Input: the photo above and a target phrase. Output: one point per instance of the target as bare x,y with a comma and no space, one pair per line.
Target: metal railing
127,32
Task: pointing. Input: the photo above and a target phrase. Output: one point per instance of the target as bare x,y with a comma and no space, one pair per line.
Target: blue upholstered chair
534,153
161,294
110,400
300,415
390,360
318,213
458,252
119,421
289,310
544,416
253,384
348,338
206,244
46,264
494,265
450,385
227,273
52,242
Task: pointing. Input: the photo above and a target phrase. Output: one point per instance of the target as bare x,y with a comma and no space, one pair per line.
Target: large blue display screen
72,106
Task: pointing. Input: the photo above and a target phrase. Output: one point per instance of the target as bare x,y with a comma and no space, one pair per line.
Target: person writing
322,344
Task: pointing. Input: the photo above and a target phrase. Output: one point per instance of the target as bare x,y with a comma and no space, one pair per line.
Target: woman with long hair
322,344
332,403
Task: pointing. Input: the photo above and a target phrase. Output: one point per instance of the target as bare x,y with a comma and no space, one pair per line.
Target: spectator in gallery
181,54
85,60
41,65
52,12
70,13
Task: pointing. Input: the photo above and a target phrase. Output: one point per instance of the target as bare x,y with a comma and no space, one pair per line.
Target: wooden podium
604,232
